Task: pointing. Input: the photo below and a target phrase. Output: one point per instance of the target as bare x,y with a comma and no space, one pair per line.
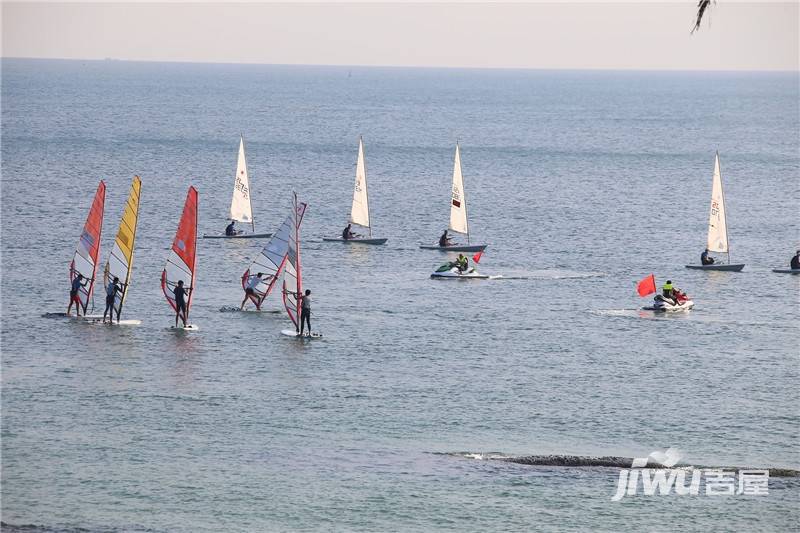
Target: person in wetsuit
705,259
230,230
112,289
444,240
180,294
794,264
305,312
347,233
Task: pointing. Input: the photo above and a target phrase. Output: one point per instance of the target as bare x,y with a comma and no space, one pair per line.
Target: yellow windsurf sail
120,262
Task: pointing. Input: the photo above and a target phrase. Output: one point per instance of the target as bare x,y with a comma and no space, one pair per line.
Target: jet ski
680,303
451,271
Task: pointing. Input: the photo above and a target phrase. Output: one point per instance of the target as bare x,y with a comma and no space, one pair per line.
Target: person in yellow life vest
667,290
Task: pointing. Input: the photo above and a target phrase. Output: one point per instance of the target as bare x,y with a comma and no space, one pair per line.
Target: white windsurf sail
241,205
120,262
717,222
271,260
359,214
84,261
458,200
293,278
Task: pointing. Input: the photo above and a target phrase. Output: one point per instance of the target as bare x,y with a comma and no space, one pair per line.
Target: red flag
646,286
477,257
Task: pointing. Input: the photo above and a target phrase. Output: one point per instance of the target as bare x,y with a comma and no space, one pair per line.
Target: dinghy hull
355,241
786,270
456,247
242,236
721,268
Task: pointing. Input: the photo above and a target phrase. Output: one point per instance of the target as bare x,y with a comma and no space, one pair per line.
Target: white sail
292,277
717,224
241,207
458,202
359,214
271,260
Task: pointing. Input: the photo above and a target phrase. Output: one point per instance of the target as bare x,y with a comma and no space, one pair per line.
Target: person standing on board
444,240
180,302
705,259
230,230
794,264
305,312
347,233
111,294
250,290
74,294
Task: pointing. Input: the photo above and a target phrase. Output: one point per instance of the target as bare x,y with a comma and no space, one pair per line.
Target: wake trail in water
579,461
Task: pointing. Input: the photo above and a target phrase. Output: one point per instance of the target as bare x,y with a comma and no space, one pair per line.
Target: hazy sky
651,35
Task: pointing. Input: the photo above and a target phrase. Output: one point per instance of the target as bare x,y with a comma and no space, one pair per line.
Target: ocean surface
581,183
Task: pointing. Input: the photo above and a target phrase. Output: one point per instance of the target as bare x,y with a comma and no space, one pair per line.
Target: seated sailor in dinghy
705,259
794,264
348,234
230,230
250,290
444,240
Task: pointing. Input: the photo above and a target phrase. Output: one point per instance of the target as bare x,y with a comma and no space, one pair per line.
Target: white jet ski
451,271
668,305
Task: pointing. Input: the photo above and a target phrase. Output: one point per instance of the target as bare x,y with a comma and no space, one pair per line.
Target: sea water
581,183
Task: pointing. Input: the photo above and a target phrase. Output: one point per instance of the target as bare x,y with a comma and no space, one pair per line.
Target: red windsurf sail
84,262
182,257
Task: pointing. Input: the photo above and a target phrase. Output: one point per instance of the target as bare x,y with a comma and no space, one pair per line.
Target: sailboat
271,260
359,213
120,262
458,213
718,226
241,204
84,261
182,257
293,274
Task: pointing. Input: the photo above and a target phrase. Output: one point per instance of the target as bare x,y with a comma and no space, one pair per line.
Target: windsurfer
111,292
250,290
74,294
180,294
305,312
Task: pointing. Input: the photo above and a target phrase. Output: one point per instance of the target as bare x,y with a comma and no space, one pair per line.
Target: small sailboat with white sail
458,215
262,274
241,203
83,267
717,241
178,279
293,274
120,263
359,212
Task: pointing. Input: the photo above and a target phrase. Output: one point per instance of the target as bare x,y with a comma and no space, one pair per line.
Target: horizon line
420,67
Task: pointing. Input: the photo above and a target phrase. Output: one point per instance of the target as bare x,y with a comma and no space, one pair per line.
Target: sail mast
366,187
725,209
